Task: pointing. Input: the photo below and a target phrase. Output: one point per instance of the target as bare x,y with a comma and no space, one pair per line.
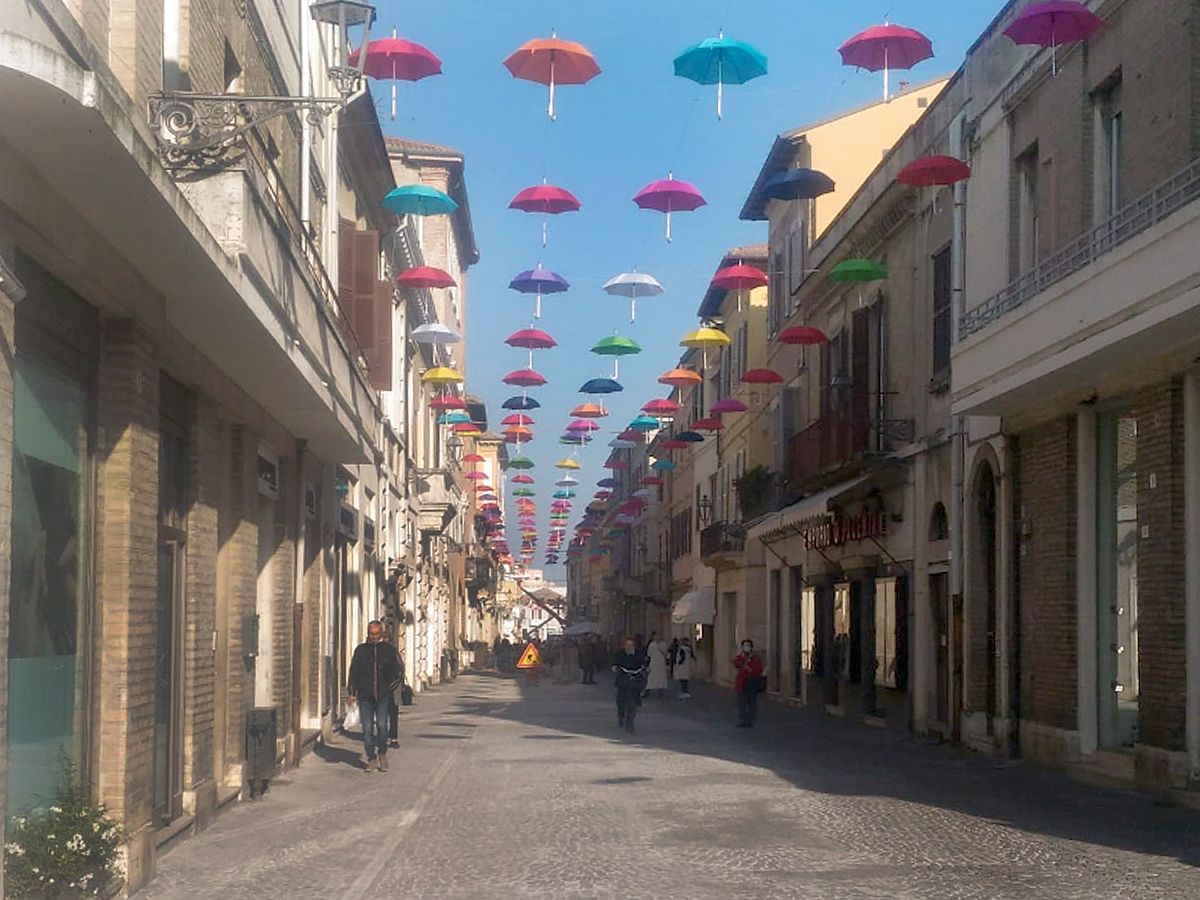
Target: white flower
14,849
56,809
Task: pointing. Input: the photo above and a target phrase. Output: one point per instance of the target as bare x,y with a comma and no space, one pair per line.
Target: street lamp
705,508
196,130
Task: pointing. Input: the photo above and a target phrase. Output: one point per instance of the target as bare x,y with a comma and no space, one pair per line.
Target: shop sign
838,529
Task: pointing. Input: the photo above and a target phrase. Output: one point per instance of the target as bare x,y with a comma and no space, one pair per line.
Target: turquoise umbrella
720,61
662,465
419,200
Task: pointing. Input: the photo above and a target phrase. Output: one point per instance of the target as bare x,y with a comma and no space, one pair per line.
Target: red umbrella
739,278
472,458
652,481
673,444
886,47
425,277
710,424
552,61
547,200
632,434
444,402
762,376
802,334
930,170
522,478
661,407
1052,23
667,196
477,476
517,419
524,378
531,339
396,59
728,405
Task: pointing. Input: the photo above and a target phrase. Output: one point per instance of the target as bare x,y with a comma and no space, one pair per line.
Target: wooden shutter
379,355
366,279
345,283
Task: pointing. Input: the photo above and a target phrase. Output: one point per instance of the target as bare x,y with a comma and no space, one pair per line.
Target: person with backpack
748,683
684,659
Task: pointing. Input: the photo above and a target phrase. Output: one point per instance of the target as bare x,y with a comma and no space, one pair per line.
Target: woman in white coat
657,677
684,657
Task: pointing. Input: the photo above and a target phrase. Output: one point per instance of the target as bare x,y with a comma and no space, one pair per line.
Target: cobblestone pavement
503,791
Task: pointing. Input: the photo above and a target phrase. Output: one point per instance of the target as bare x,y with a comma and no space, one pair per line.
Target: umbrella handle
537,306
393,100
668,225
720,88
550,110
544,223
633,308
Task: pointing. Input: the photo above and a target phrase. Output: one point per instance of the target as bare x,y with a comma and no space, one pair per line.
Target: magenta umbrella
667,196
396,59
886,47
1051,23
547,200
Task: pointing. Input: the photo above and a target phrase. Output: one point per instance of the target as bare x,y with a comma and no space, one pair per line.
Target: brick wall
1045,503
1162,657
92,16
127,541
240,558
135,40
283,569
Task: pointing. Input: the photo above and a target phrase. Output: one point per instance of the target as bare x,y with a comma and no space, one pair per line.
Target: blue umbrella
797,184
607,482
690,437
601,386
521,403
419,200
538,281
720,61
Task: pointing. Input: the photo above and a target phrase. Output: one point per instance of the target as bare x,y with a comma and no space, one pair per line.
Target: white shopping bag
353,718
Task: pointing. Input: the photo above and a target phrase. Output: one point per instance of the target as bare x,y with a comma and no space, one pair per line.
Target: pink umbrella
1052,23
552,61
477,476
934,170
531,339
522,478
886,47
661,407
425,277
668,196
517,419
740,278
728,405
583,425
547,200
524,378
396,59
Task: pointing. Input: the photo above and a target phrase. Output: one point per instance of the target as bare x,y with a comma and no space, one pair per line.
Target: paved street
502,791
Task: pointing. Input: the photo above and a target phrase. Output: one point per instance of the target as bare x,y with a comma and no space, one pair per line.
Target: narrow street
507,791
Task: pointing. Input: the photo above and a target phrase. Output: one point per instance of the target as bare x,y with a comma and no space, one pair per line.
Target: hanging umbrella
547,200
522,478
886,47
615,464
622,444
703,339
522,403
934,170
473,458
797,184
538,281
668,196
567,463
689,437
680,378
804,335
601,386
633,285
720,61
441,375
589,411
673,444
466,429
616,347
574,439
517,419
516,433
632,434
740,278
761,376
477,476
435,333
709,424
652,481
447,401
419,200
728,405
563,495
425,277
453,418
662,465
524,492
661,407
531,339
395,59
644,423
566,481
520,462
583,425
524,378
858,270
1053,23
552,61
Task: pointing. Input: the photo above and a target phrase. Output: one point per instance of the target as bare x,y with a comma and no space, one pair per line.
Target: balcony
826,445
722,544
1088,319
438,497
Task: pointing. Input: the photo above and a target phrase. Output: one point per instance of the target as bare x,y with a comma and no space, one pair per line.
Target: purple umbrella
668,196
538,281
1052,23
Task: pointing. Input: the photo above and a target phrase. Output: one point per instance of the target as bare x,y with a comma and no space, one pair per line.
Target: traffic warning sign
530,658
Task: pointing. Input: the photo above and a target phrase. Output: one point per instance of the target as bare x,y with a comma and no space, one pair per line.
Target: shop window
809,661
886,657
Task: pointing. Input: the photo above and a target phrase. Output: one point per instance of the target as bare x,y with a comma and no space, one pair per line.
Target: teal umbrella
720,61
662,465
644,423
419,200
859,270
453,418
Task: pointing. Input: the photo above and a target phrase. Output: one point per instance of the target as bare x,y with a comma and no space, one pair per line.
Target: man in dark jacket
629,669
376,670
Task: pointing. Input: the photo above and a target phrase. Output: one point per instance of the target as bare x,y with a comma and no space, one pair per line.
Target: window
1027,225
886,673
808,630
939,525
1113,133
942,337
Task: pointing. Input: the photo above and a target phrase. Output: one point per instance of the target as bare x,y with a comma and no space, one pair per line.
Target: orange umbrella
680,378
552,61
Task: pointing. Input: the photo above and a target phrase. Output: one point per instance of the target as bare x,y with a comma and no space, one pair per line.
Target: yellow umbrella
568,464
703,338
442,375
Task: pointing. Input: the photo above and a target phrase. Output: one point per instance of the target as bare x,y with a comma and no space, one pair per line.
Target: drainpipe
957,424
305,127
300,551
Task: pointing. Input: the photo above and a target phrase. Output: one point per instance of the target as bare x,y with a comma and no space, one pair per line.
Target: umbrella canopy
720,61
545,198
538,281
680,378
668,196
661,407
453,418
589,411
567,463
583,425
1053,23
513,433
607,482
566,481
521,403
395,59
858,270
728,405
934,170
552,61
633,285
524,492
477,476
524,378
803,335
662,465
761,376
522,478
435,333
425,277
601,386
616,346
574,438
886,47
704,338
674,444
644,423
441,375
520,462
466,429
740,278
419,200
652,481
710,424
447,401
517,419
473,458
531,339
689,437
563,494
798,184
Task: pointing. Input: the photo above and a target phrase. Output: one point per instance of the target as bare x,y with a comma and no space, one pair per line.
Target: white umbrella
435,333
581,628
633,285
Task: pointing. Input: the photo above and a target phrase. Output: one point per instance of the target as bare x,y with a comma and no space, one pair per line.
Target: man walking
376,670
748,683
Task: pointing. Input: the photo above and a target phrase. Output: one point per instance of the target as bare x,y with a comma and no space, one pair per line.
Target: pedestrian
376,670
657,677
629,671
672,652
639,645
684,658
749,683
587,660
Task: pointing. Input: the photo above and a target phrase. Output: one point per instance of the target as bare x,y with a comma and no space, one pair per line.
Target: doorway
939,599
775,669
984,583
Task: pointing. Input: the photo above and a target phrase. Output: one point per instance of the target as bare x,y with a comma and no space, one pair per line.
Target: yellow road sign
530,658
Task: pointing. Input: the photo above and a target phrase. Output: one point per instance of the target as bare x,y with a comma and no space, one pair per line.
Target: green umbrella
860,270
520,462
524,492
617,346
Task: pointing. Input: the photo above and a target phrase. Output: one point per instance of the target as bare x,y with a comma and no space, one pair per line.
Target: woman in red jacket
748,683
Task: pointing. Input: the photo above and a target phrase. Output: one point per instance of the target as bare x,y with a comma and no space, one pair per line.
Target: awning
696,607
779,525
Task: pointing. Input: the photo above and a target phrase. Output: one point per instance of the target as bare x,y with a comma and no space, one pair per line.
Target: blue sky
613,135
